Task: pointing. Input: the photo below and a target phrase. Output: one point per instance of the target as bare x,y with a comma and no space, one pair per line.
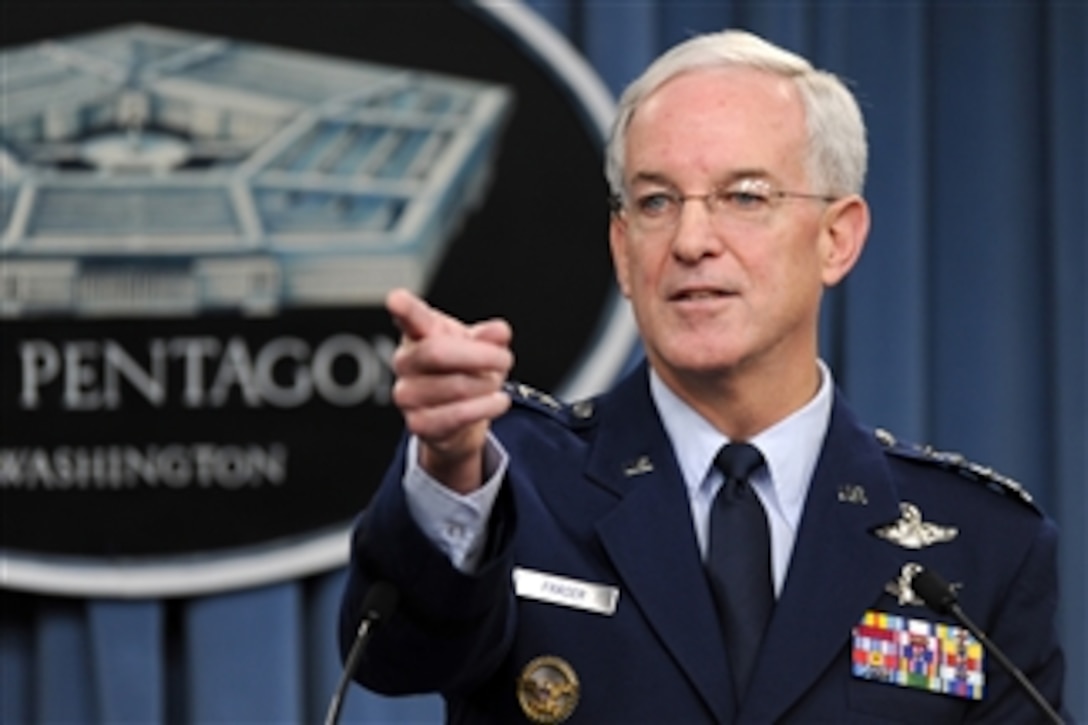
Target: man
561,562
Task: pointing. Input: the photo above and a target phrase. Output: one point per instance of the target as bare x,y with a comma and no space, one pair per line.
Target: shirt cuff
455,523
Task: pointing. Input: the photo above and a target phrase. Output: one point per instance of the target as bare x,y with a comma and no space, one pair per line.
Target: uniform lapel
651,542
837,571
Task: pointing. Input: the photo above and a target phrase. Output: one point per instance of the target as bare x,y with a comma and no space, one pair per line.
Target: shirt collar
791,446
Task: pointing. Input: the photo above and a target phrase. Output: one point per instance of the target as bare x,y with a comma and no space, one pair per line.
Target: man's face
720,292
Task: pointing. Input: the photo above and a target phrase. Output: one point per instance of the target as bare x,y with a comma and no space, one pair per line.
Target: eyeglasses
749,201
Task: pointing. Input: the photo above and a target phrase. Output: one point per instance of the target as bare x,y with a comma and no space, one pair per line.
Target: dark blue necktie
739,560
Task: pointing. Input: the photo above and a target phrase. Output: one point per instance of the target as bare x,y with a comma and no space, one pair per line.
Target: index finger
413,316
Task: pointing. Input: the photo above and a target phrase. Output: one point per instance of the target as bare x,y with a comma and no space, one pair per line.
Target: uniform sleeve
1025,629
463,621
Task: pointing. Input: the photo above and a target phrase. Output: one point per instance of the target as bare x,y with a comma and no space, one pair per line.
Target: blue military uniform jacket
594,495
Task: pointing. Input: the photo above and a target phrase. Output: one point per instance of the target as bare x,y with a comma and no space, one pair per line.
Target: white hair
837,147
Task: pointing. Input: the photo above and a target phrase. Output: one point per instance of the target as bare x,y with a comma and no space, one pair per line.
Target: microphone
941,598
378,605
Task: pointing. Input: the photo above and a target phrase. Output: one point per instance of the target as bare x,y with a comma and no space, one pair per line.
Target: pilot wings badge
911,532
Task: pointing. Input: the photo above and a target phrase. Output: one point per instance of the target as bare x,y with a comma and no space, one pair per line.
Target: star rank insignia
912,532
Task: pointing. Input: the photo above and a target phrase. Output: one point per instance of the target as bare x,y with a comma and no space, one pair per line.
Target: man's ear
617,242
846,227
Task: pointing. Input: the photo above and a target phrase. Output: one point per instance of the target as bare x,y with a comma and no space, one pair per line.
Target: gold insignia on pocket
548,690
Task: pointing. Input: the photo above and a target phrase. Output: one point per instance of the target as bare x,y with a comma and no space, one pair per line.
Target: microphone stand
941,598
379,603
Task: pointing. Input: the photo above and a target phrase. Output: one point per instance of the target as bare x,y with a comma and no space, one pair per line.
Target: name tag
566,592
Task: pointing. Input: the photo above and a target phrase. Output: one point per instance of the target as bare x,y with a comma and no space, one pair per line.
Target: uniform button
582,409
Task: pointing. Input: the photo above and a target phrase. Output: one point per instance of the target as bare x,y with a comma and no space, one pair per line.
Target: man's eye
744,200
654,204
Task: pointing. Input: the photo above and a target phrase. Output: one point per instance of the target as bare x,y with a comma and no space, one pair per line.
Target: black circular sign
157,442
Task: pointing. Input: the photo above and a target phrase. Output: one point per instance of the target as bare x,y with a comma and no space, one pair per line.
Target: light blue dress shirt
791,448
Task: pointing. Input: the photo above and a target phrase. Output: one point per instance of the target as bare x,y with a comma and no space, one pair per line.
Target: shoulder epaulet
955,462
571,414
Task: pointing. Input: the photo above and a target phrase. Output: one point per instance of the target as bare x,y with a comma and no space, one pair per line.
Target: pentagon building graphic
153,172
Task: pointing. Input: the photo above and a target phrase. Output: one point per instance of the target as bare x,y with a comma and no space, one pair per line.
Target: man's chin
695,364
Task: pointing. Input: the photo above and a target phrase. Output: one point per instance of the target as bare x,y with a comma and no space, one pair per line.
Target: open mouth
699,295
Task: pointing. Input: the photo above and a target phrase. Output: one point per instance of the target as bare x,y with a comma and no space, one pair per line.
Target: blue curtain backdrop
966,325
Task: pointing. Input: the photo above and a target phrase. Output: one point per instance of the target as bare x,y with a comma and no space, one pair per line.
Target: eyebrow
651,178
733,177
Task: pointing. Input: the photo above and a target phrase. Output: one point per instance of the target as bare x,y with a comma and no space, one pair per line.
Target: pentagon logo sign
200,222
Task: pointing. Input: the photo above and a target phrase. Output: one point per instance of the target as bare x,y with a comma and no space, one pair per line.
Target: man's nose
696,235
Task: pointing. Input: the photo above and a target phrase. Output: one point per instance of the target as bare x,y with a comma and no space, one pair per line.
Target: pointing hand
449,385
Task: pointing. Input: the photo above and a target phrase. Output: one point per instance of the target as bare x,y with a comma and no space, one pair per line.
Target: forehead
718,122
